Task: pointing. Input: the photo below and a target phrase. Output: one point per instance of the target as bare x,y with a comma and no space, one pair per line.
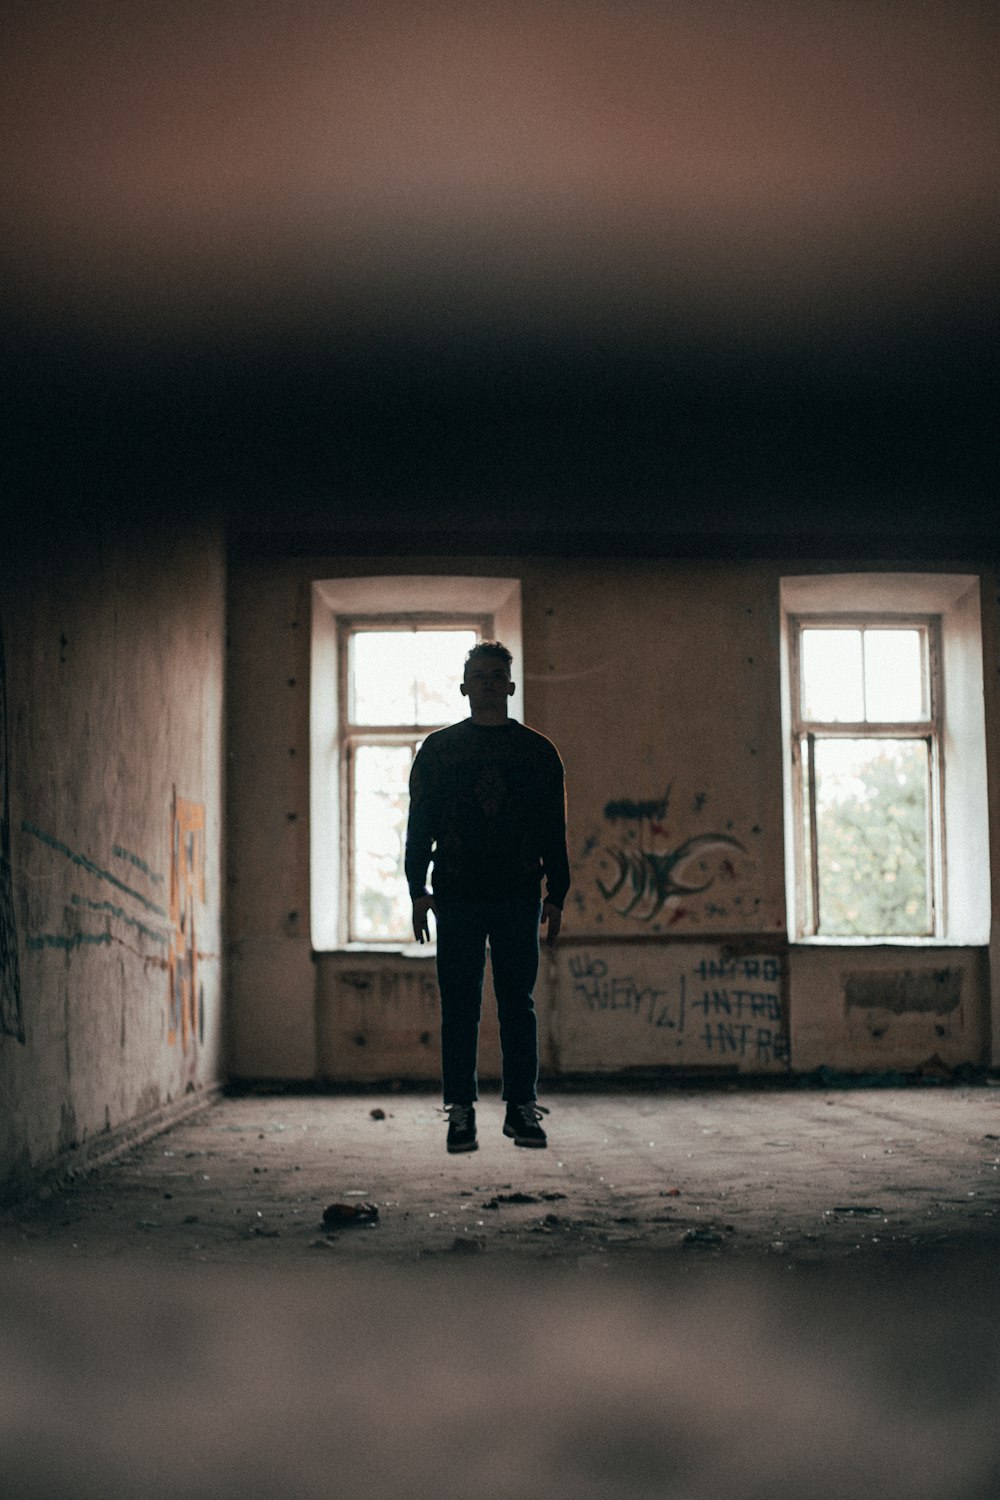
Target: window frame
362,592
351,735
806,731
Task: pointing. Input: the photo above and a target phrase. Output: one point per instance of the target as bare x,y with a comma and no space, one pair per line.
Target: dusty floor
799,1174
775,1294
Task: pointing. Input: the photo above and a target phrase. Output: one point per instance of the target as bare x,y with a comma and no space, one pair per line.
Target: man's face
487,684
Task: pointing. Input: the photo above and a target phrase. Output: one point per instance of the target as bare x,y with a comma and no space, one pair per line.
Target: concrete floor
774,1294
798,1174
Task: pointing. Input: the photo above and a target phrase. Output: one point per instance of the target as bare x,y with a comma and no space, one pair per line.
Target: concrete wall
660,684
111,913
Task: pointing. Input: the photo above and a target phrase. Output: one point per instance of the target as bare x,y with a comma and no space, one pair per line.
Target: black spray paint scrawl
655,878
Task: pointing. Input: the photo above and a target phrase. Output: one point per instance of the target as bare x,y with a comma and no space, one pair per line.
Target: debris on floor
702,1237
339,1215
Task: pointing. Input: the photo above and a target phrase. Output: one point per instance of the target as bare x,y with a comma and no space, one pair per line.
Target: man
487,799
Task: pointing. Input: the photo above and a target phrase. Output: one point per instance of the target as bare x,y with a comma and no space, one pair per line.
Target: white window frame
334,600
806,732
351,734
962,902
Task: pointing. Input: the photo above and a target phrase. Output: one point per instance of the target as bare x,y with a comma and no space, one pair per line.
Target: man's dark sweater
489,802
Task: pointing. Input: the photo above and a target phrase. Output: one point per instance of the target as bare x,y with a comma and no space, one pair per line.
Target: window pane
381,902
440,658
408,676
381,665
871,837
894,675
832,690
809,914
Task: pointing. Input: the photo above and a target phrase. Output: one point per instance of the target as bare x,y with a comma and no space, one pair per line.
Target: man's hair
491,649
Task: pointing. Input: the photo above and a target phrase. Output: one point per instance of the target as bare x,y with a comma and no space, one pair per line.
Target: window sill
388,950
881,942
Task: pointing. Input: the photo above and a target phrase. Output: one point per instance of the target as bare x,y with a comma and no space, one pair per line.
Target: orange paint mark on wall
187,887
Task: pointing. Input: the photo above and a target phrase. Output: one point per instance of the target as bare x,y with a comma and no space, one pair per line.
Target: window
867,753
385,658
886,826
399,681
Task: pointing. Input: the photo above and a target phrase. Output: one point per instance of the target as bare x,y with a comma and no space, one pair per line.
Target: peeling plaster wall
877,1008
113,770
272,977
659,682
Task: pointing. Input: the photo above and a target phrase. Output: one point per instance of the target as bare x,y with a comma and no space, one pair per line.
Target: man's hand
551,915
421,906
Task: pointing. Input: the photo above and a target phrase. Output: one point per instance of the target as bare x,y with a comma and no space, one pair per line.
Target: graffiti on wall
11,1019
187,889
709,1008
79,936
134,916
653,868
645,879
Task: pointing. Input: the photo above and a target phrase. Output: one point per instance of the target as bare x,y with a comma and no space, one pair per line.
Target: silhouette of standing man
487,801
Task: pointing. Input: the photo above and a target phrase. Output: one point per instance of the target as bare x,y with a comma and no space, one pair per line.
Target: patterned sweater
487,802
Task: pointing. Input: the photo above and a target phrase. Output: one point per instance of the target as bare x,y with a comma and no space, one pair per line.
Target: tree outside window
868,771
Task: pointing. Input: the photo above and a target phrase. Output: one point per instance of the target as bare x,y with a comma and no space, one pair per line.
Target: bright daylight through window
866,753
400,680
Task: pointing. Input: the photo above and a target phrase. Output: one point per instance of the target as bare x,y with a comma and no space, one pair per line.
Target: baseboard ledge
74,1163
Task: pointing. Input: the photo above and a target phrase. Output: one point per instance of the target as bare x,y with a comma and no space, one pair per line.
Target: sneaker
461,1127
522,1123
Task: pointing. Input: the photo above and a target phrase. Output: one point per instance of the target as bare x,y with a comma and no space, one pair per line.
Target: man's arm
552,920
422,905
555,859
419,840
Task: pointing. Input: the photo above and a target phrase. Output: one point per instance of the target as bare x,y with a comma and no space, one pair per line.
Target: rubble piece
496,1201
551,1197
341,1215
376,1114
863,1210
702,1237
670,1192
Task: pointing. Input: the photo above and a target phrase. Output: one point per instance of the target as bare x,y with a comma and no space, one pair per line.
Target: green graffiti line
650,877
138,861
116,911
88,865
59,940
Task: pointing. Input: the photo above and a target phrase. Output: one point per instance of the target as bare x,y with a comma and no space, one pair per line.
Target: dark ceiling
562,276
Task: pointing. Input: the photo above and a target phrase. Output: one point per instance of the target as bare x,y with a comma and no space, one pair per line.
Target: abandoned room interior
659,343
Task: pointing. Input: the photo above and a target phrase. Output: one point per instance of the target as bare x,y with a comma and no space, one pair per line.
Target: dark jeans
463,928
